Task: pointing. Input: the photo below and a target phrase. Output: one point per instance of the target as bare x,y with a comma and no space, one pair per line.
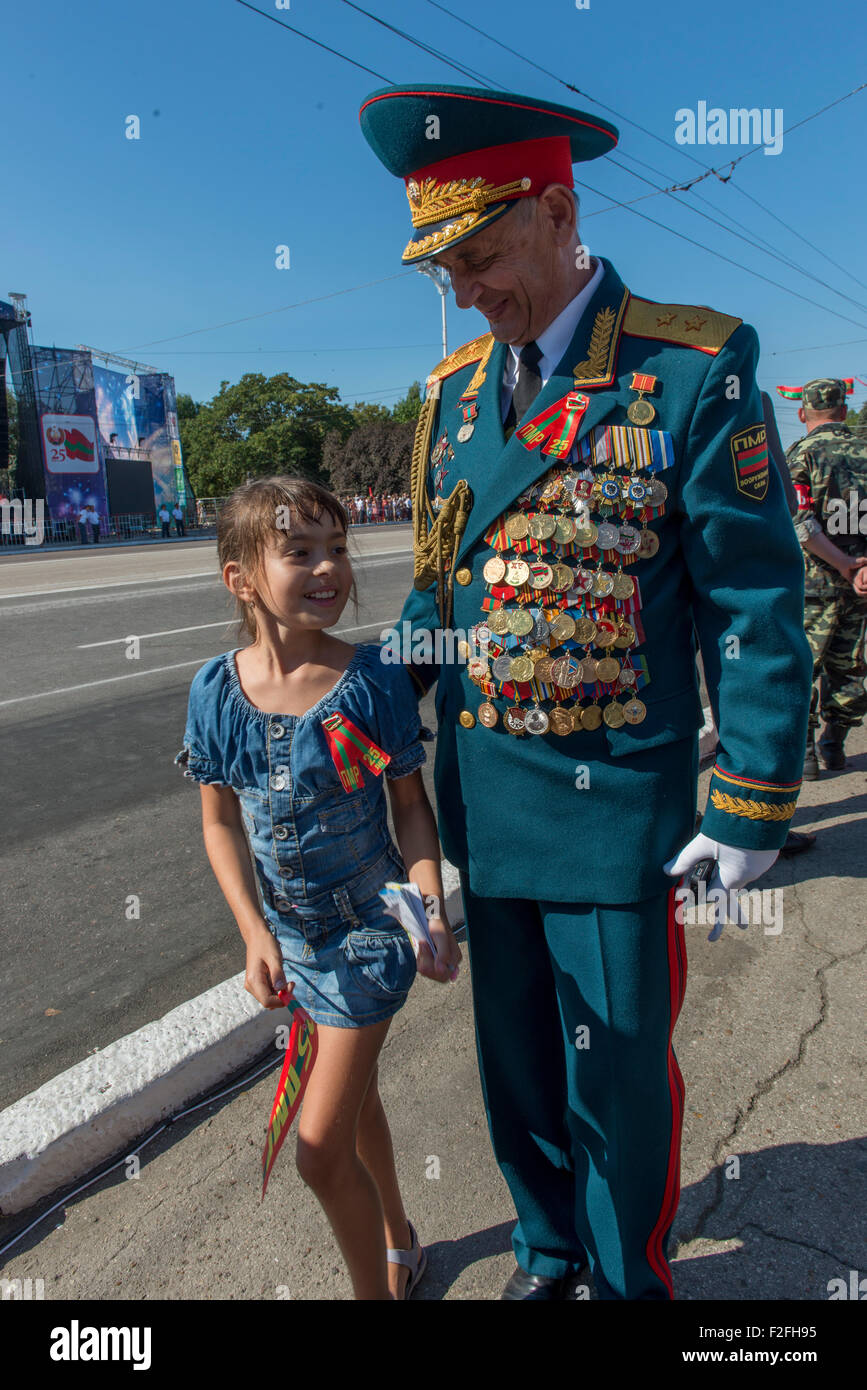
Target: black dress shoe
797,841
536,1286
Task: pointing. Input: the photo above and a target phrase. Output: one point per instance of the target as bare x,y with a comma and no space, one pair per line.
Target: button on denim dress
321,853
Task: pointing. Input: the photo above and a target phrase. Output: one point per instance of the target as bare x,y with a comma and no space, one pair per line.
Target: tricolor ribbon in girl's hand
349,748
297,1066
557,424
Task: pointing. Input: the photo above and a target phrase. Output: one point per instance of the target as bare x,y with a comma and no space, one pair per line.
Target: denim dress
321,854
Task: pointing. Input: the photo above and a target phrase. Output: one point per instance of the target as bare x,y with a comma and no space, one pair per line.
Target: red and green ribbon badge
349,747
557,424
790,393
297,1066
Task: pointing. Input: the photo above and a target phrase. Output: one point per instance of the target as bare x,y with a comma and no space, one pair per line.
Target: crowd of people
370,509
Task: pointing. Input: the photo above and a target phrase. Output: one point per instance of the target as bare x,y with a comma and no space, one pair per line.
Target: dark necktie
527,387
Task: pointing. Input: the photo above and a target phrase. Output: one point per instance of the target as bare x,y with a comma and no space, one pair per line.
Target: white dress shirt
552,341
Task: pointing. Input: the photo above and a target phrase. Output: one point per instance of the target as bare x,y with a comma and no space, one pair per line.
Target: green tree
7,475
258,426
857,419
378,455
410,406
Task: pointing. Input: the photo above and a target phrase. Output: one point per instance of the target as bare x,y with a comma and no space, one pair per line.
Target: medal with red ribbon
557,424
349,748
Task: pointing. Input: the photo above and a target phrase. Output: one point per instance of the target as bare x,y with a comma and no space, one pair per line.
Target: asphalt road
94,809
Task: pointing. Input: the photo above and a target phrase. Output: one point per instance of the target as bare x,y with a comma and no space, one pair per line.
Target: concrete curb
87,1114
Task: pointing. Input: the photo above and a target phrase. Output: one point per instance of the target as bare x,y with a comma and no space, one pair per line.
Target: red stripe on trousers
677,988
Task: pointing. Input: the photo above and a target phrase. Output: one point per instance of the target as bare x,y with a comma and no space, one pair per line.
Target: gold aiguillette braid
435,542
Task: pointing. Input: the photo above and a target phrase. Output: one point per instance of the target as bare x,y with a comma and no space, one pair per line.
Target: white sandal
415,1260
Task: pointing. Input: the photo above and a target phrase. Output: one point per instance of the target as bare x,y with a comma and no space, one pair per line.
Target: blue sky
127,245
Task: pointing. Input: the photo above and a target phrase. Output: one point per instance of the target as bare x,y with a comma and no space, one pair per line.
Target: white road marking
199,627
153,671
167,578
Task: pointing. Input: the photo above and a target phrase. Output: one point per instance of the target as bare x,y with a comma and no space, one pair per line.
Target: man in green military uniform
829,471
590,490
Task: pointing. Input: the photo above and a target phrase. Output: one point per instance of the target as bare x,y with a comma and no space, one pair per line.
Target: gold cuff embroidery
753,810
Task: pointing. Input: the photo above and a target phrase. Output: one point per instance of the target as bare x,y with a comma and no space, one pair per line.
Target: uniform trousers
575,1004
834,625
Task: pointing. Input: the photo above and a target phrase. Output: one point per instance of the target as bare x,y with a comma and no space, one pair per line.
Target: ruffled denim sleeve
201,757
396,714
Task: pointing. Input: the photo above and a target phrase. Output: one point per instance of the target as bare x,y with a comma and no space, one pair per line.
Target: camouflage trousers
835,628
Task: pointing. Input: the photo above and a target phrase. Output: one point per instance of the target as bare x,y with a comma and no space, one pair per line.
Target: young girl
260,738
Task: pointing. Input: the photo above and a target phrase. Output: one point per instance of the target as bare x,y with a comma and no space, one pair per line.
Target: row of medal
539,650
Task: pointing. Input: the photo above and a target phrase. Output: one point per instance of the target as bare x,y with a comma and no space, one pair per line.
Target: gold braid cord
753,810
435,541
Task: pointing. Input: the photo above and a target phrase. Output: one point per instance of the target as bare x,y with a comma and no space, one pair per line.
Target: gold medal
514,719
464,649
487,714
541,575
537,654
585,534
564,576
560,721
588,670
543,672
498,621
606,633
608,669
625,636
517,573
649,544
585,631
634,711
494,570
521,669
591,717
565,529
566,673
542,526
520,622
517,526
624,585
563,627
640,412
613,715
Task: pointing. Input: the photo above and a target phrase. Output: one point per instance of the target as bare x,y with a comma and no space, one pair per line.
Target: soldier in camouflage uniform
829,472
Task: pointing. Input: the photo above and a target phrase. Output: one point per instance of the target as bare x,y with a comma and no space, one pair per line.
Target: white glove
735,868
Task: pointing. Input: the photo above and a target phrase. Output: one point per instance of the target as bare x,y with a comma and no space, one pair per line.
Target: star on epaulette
694,325
665,320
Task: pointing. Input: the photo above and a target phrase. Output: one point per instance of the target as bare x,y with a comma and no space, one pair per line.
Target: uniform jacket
728,567
829,471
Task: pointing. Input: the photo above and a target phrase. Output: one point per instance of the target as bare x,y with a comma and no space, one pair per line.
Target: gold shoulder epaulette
461,357
686,324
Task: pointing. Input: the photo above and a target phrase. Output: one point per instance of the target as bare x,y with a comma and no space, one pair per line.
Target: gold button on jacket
467,718
464,576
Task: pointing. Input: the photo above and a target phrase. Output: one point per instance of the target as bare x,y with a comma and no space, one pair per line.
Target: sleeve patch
805,497
750,460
